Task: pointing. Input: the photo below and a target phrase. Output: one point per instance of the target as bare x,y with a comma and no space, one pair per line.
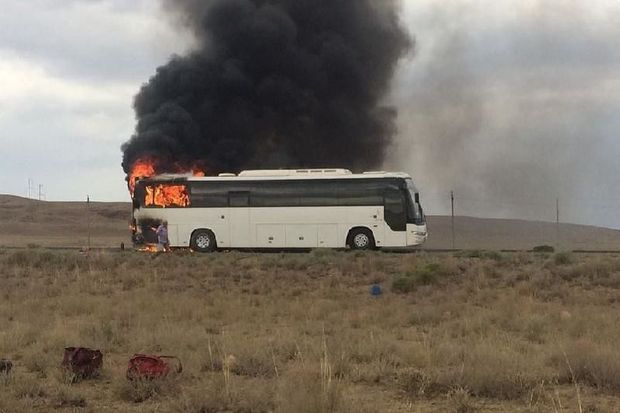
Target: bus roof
279,175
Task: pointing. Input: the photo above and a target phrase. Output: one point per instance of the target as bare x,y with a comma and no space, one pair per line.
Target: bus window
361,193
415,214
317,193
394,210
208,195
274,194
239,199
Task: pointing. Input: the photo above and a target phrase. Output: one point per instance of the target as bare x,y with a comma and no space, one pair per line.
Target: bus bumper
416,234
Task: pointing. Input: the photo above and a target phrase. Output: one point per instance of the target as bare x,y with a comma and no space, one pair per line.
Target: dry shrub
598,271
491,372
68,398
138,391
257,364
419,384
37,362
103,334
365,358
482,254
403,284
27,387
427,315
375,372
461,401
213,396
427,274
486,370
592,364
7,405
303,390
563,258
260,358
523,258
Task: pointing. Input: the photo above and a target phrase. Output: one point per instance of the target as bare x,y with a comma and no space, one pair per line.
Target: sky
510,104
513,105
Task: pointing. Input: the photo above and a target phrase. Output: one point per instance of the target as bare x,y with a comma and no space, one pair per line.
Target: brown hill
26,222
29,222
479,233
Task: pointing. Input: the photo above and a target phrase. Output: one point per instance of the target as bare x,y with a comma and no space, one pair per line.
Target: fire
161,195
149,248
167,196
142,168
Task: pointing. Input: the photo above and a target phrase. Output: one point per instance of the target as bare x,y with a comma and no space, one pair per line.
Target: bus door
239,220
395,215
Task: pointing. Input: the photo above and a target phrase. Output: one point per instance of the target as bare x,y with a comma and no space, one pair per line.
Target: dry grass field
475,332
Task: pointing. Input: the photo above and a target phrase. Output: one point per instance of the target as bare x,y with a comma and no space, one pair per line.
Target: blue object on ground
376,290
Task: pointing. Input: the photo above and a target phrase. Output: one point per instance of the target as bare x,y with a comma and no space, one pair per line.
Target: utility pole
88,218
452,204
40,192
557,223
29,187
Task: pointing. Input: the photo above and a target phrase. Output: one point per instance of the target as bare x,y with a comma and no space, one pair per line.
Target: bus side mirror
417,198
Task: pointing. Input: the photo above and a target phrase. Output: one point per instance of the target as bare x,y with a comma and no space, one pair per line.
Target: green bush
403,284
544,248
491,255
470,254
426,275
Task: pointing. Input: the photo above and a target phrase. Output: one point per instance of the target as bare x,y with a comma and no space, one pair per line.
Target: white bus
327,208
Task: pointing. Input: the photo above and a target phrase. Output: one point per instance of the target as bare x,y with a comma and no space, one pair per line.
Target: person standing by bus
163,244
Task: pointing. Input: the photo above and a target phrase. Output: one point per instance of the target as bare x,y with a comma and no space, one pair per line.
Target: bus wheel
361,239
203,240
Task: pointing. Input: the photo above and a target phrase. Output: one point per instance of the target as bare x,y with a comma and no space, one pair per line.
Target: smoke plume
512,108
273,83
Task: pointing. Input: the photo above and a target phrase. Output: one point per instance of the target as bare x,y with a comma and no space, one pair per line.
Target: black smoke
272,84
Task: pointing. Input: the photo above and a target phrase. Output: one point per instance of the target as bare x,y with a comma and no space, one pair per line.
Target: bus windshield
415,212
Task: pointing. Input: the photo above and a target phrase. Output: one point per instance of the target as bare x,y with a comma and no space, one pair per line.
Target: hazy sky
509,103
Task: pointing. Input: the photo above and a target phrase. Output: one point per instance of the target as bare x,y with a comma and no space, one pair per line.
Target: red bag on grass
142,366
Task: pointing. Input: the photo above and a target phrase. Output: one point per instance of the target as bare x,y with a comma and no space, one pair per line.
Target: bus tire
203,240
361,239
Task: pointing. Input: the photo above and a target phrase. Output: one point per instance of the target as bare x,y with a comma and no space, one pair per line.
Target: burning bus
294,83
322,208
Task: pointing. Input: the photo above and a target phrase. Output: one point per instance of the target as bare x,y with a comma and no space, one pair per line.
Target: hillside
24,221
478,233
29,222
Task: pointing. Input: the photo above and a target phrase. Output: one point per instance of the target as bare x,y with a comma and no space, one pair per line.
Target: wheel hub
203,241
361,240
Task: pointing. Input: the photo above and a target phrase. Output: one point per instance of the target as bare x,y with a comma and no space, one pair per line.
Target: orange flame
149,248
142,168
167,196
161,195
